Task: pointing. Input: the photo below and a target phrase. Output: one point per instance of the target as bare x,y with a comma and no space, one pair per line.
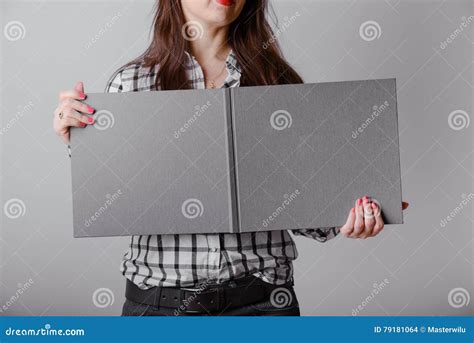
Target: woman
210,44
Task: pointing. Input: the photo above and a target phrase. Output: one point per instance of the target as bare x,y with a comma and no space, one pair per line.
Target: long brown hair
250,37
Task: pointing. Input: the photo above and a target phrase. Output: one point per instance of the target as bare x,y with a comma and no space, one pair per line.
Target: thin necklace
212,83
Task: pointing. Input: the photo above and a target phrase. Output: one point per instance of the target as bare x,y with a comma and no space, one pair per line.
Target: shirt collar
232,65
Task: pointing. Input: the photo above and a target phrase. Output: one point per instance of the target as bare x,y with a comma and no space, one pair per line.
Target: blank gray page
305,153
154,162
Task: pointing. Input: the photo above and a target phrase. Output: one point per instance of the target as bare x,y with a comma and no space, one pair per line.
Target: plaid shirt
187,260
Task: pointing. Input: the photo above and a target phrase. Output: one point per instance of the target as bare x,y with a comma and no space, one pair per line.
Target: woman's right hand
71,112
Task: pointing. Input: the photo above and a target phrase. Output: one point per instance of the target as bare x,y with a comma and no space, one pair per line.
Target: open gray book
235,159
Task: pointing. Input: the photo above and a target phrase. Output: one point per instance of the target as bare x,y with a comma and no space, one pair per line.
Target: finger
379,223
65,136
71,94
369,219
76,105
79,87
348,227
67,122
405,205
63,130
359,220
71,113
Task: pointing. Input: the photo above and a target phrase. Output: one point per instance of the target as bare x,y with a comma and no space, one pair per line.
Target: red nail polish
366,197
90,109
366,201
82,95
90,120
359,201
374,205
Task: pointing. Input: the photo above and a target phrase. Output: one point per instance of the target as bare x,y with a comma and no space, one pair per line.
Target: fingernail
90,120
90,109
359,201
353,210
374,205
366,197
82,95
366,200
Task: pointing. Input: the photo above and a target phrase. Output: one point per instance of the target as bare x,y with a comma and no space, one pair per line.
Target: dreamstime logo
192,30
284,205
18,115
14,30
371,215
370,30
459,120
192,208
459,297
103,297
198,111
376,111
281,120
107,204
190,299
103,30
463,26
47,330
14,208
466,199
286,24
22,288
376,289
104,120
281,297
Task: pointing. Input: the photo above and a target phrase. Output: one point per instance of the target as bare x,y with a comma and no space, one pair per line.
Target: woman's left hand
365,219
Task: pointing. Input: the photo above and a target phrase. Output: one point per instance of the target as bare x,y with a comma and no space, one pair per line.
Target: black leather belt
212,298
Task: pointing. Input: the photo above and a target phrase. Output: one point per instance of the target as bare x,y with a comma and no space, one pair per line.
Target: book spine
233,185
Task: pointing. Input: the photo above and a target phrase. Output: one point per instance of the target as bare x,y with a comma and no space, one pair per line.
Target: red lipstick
226,2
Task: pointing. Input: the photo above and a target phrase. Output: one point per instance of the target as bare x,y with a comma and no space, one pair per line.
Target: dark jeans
262,308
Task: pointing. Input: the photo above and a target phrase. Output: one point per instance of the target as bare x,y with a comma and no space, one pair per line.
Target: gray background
418,263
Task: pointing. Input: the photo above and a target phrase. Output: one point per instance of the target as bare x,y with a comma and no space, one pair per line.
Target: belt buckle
216,305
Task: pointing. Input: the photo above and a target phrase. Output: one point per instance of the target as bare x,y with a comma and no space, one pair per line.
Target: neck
214,44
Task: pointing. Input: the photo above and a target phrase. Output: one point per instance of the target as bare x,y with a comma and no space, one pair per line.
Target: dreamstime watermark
284,205
14,30
460,29
466,199
281,120
377,110
372,215
14,208
370,30
459,297
190,299
376,289
281,297
18,115
192,30
192,208
103,30
198,111
22,288
103,297
47,330
458,120
103,120
108,202
287,22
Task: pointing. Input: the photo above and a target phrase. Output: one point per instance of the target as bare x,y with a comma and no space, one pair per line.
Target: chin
214,12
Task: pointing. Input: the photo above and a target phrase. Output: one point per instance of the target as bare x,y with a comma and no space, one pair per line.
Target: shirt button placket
214,256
